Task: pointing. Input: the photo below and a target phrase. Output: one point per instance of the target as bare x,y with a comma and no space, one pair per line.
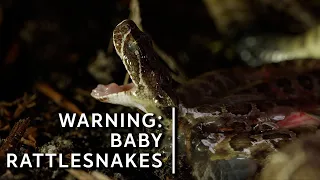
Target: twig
135,14
14,137
26,102
126,78
12,54
294,9
229,12
17,101
177,74
29,137
23,103
7,175
100,176
57,98
82,175
110,46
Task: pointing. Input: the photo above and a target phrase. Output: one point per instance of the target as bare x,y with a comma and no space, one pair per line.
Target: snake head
150,89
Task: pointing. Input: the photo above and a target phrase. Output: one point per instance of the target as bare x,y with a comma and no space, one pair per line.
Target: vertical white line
173,140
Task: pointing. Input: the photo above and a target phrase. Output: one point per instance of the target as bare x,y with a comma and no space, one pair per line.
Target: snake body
259,50
273,81
223,128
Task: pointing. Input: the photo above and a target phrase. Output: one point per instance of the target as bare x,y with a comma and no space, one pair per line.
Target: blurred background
53,53
58,41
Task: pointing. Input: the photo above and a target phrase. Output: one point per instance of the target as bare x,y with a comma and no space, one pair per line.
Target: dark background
56,41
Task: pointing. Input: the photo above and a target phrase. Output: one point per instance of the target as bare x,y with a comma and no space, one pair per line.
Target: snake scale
225,136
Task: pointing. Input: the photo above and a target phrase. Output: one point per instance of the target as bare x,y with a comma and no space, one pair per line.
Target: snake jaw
105,93
121,95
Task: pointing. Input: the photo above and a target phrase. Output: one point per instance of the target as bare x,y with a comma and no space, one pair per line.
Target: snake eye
129,25
130,28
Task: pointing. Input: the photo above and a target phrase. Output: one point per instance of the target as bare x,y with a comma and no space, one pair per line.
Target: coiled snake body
221,127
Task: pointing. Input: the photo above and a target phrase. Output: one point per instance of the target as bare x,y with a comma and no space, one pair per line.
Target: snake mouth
104,92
